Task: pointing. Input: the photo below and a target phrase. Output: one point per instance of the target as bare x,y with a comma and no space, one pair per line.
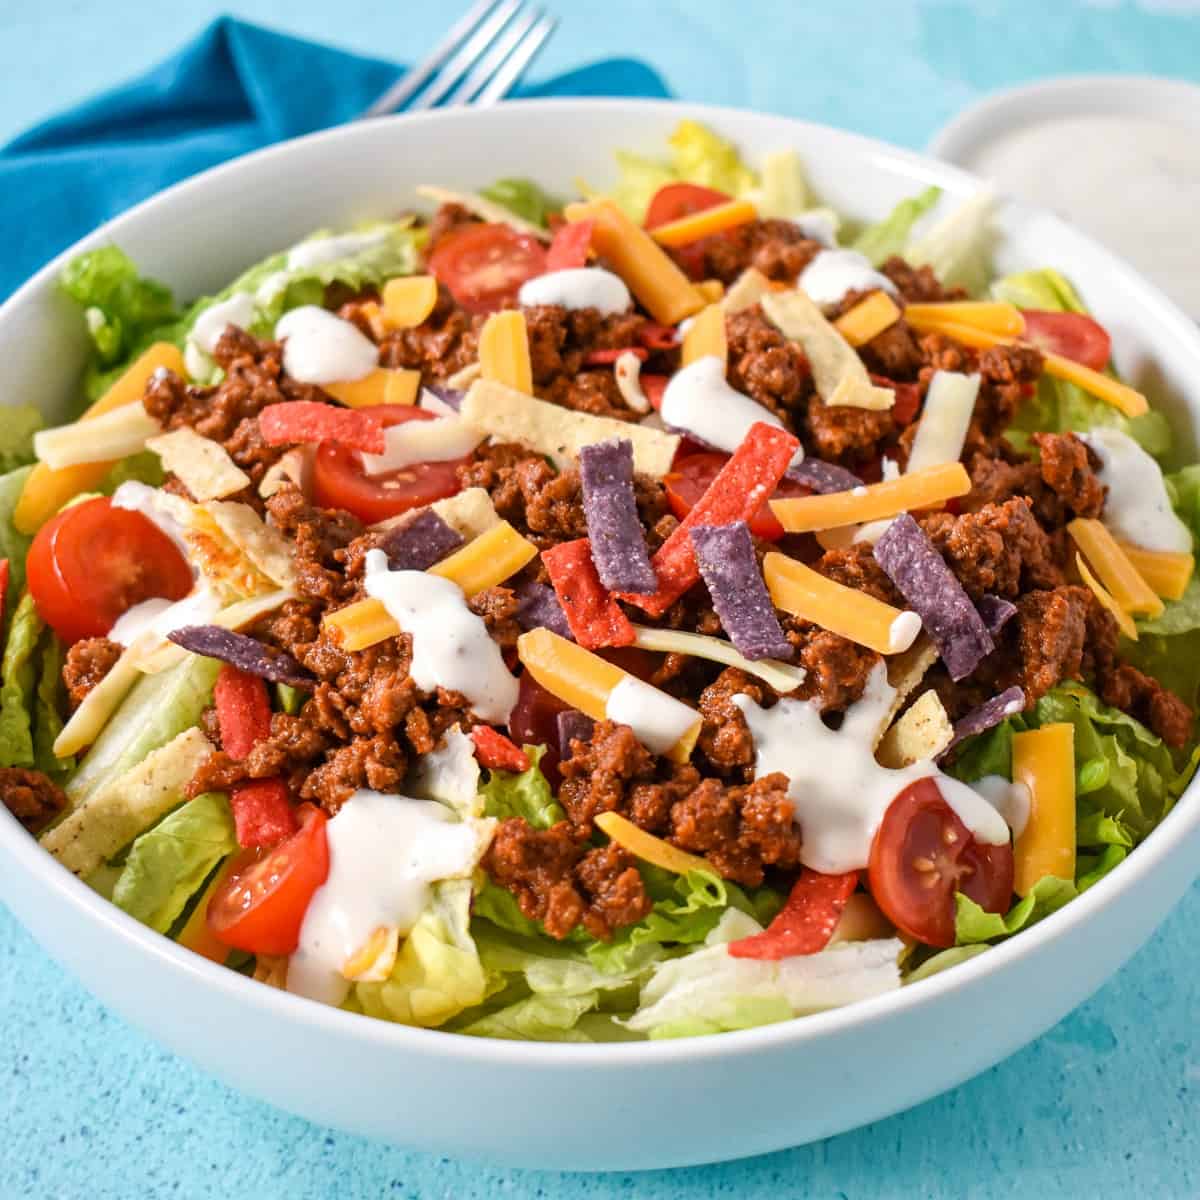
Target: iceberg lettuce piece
973,924
14,545
170,863
959,247
523,197
525,795
880,241
18,681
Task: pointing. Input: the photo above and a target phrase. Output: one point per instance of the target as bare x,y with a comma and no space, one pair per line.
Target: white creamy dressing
317,251
237,310
423,441
451,645
1137,508
162,616
833,273
159,507
1131,181
658,720
839,790
322,348
384,852
819,224
699,400
577,287
903,632
1010,798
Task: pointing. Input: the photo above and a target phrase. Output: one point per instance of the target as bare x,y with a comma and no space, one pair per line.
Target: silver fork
479,61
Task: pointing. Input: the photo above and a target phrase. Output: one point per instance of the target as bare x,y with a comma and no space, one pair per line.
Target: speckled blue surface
1105,1105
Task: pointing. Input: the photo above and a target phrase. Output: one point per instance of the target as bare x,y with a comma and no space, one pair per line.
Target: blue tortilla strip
418,544
823,477
246,653
539,609
725,555
451,397
614,528
996,612
573,726
932,591
987,716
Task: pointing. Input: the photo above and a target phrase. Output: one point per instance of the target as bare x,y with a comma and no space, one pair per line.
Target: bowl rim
999,112
44,872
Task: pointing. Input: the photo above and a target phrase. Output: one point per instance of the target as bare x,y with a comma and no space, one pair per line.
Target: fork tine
510,74
408,85
486,68
475,45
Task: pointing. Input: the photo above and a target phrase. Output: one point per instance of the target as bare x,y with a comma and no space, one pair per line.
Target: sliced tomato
534,722
92,562
339,480
570,245
1072,335
674,201
261,905
484,266
908,399
922,854
690,478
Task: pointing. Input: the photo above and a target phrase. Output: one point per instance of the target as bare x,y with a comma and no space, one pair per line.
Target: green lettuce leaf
168,864
14,545
291,700
943,960
1184,489
21,422
523,197
18,680
438,972
972,924
526,795
48,707
889,236
959,247
1061,407
697,155
157,709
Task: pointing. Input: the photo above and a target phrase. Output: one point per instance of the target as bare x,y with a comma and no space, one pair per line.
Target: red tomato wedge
691,476
261,905
908,398
673,201
806,922
484,266
922,855
339,480
570,245
92,562
1073,335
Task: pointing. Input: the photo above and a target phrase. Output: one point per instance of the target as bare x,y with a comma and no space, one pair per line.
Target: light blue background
1104,1105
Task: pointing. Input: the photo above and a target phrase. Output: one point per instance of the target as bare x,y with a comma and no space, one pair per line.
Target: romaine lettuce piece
523,197
168,864
973,924
959,247
21,422
889,236
14,545
48,707
526,795
157,709
18,680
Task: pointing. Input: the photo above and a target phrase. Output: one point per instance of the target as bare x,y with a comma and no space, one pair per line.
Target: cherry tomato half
485,265
261,905
674,201
534,722
1073,335
339,480
92,561
691,476
922,855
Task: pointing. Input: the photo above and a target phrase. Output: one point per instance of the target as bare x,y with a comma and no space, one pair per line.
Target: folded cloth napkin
233,89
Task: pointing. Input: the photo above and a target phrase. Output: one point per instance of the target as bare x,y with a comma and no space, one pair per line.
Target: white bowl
621,1106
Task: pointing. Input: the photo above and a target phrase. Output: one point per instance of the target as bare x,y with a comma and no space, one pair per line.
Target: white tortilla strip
921,734
204,466
261,544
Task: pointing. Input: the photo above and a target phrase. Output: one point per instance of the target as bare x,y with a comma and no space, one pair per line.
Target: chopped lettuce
157,709
290,699
943,960
14,545
697,155
959,247
784,191
889,236
438,972
48,704
523,197
168,864
1059,406
449,775
21,422
1184,489
973,924
18,681
526,795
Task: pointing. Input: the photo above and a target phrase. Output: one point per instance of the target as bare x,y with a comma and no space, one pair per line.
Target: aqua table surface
1105,1105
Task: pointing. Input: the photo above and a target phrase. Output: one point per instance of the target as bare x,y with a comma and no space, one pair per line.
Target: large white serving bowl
582,1106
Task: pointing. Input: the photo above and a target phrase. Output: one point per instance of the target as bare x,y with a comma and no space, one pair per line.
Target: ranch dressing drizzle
237,310
158,507
317,251
840,792
322,348
1137,508
162,616
833,273
384,852
698,400
577,287
658,720
1011,799
451,645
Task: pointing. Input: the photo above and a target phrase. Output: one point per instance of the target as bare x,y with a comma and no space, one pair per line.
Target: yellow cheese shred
649,848
704,224
504,350
1119,576
1044,761
990,316
384,385
1123,619
706,336
868,319
407,301
1167,574
873,502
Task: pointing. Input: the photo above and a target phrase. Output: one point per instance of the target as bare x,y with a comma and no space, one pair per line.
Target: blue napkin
233,89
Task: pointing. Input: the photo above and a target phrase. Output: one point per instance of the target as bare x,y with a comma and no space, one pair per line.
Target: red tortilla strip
806,922
740,489
494,751
591,612
300,421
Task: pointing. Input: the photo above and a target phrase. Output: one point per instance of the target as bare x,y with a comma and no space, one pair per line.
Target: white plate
611,1106
1147,214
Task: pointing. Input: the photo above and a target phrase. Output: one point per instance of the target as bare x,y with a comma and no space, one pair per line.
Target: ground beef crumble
32,797
86,664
